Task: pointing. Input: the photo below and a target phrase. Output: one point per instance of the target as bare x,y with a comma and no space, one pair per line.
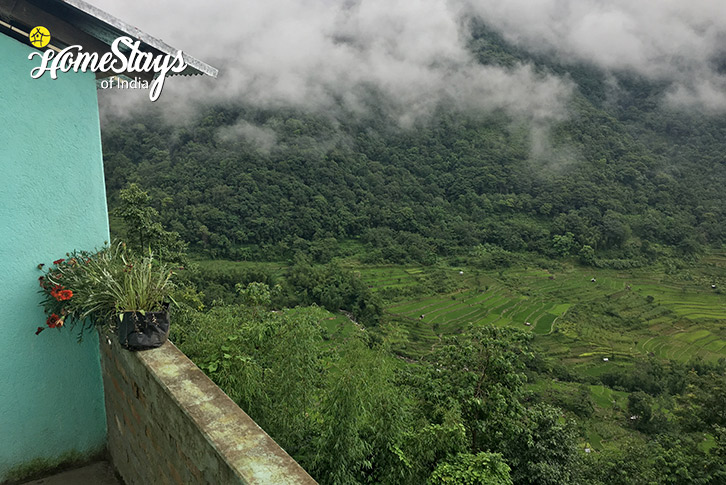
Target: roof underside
74,22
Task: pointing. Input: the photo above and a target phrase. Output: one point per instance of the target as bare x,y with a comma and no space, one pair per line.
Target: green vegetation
388,421
90,288
564,387
446,304
621,182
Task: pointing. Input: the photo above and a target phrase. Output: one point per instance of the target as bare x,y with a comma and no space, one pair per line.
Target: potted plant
110,287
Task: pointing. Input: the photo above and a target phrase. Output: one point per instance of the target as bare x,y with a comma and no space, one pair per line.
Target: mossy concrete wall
52,200
168,423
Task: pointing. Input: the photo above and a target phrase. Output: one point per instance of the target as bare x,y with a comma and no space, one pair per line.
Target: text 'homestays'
73,58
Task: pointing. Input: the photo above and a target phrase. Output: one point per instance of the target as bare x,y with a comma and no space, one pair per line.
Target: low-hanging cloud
676,41
324,54
261,137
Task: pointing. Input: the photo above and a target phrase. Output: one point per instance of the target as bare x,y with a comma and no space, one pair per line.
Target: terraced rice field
672,316
427,318
380,277
687,301
684,345
682,321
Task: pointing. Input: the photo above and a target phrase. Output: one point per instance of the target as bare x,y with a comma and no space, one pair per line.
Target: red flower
54,321
59,293
58,261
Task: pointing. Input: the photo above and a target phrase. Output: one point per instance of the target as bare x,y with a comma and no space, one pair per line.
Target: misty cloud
263,138
320,54
667,40
707,93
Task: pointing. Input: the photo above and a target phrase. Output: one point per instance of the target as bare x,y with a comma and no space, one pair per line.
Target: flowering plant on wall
92,288
69,287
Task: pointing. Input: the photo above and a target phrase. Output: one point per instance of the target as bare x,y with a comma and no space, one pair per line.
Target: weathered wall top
165,416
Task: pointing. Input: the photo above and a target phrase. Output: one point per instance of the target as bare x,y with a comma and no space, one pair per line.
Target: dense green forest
454,301
624,175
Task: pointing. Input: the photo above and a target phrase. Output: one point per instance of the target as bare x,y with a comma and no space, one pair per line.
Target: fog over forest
322,54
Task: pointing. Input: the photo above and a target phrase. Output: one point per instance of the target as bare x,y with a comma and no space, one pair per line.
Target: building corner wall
52,200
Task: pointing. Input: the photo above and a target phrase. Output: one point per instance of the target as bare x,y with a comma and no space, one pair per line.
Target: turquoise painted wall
52,200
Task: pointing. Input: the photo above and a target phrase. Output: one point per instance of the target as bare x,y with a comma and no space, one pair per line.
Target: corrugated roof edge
109,19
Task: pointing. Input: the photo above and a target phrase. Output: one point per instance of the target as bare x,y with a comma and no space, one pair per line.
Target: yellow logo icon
39,36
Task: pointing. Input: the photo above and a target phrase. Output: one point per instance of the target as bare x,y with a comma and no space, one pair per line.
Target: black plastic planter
142,331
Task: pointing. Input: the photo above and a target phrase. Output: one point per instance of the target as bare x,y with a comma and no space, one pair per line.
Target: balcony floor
100,473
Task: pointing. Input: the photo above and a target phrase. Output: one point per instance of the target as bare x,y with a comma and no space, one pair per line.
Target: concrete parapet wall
168,423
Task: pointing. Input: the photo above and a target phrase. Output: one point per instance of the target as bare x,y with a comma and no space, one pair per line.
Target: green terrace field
381,277
618,316
427,318
532,300
592,327
591,322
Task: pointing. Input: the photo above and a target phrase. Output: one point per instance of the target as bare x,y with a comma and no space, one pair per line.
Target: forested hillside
468,295
465,296
621,173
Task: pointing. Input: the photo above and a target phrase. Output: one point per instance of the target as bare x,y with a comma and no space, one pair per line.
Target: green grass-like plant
91,288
